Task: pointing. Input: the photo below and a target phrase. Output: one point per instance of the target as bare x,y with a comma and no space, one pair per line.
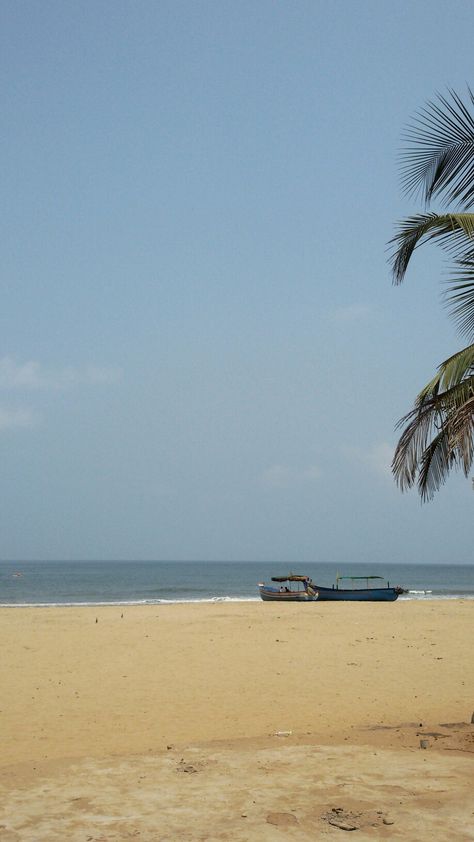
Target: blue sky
202,355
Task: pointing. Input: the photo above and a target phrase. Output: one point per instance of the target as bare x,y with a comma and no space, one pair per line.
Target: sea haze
154,582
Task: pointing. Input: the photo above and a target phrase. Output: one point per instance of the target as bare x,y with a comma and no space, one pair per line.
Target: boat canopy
359,577
290,578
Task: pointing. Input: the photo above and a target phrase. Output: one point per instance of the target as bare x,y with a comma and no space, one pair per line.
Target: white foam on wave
411,595
104,604
429,595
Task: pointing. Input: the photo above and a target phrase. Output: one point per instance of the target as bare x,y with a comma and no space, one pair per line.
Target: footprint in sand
282,819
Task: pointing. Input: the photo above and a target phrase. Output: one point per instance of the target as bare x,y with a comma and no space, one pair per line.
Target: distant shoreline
211,601
410,597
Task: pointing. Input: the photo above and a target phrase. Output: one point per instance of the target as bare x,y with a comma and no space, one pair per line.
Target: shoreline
416,597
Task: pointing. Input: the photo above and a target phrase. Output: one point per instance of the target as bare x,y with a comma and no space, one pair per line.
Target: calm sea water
89,582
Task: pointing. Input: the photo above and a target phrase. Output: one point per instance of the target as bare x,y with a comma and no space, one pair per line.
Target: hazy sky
202,355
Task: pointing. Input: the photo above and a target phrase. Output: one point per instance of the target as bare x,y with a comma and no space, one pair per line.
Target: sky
202,354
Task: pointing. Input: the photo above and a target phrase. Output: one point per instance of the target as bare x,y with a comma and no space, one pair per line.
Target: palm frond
455,234
462,434
455,231
421,424
436,462
456,370
439,430
460,298
440,158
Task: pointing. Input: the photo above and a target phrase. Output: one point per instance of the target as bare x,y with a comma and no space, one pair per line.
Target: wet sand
237,721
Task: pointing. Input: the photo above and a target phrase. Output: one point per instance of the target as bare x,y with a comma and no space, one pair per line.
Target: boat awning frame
359,577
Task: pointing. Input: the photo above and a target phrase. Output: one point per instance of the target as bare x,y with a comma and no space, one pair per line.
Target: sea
47,583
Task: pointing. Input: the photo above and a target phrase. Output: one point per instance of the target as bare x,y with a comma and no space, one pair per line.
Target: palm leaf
440,158
421,423
430,447
436,462
462,433
451,372
455,233
439,430
461,297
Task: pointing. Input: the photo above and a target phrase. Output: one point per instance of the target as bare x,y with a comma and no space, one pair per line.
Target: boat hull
269,594
357,595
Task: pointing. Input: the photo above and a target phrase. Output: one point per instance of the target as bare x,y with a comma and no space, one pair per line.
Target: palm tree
438,433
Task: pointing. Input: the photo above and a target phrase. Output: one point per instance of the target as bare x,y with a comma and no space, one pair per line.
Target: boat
290,588
372,592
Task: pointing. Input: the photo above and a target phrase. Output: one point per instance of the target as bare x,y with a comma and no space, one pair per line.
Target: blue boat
290,588
372,592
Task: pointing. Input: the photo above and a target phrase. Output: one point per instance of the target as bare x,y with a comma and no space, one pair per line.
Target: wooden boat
357,593
290,588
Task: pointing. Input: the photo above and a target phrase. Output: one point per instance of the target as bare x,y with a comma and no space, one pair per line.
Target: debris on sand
356,820
185,767
343,819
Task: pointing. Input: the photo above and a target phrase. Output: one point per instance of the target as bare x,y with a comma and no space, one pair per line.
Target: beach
271,722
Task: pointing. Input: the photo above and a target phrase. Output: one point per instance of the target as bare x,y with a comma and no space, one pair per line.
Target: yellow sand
90,686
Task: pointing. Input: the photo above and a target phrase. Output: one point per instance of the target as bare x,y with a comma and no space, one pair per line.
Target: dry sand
238,721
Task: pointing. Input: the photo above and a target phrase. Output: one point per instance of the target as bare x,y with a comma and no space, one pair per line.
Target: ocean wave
428,595
414,595
129,602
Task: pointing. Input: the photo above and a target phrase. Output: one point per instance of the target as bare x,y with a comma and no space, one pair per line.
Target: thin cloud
283,476
11,419
32,375
101,374
378,457
351,313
